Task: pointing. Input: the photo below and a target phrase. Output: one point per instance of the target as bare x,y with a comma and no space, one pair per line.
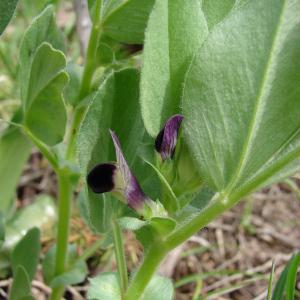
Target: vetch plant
161,143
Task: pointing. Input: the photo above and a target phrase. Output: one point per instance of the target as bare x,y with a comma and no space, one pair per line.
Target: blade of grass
271,281
198,289
292,276
224,291
198,276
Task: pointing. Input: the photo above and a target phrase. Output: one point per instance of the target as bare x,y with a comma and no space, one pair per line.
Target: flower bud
117,177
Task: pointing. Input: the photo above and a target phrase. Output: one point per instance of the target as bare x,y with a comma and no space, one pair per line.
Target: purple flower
166,140
117,177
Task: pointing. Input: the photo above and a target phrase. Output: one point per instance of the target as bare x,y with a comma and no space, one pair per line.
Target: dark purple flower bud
117,177
166,140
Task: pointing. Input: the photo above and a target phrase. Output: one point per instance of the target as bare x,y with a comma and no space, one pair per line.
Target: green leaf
26,253
292,276
242,84
114,106
105,54
45,113
7,8
41,213
75,273
287,280
162,225
126,22
154,230
130,223
280,285
31,8
176,29
159,288
14,152
71,91
106,286
21,285
42,29
215,10
169,201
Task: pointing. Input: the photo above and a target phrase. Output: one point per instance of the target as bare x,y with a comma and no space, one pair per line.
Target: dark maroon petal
132,191
166,140
101,178
159,140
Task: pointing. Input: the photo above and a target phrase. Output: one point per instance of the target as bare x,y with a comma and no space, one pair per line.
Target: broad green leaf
148,178
41,213
21,287
126,22
26,253
14,152
239,3
71,91
115,106
7,8
176,29
31,8
75,273
42,29
106,286
241,87
45,113
215,10
159,288
105,54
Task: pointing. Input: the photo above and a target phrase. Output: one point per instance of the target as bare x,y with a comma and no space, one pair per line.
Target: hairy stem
156,253
120,257
64,213
139,282
89,69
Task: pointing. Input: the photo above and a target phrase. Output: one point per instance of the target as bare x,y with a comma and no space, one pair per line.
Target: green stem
209,213
158,251
73,132
64,213
44,149
152,259
120,257
89,69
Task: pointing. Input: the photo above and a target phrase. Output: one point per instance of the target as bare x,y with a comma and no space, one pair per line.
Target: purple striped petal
132,191
165,142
